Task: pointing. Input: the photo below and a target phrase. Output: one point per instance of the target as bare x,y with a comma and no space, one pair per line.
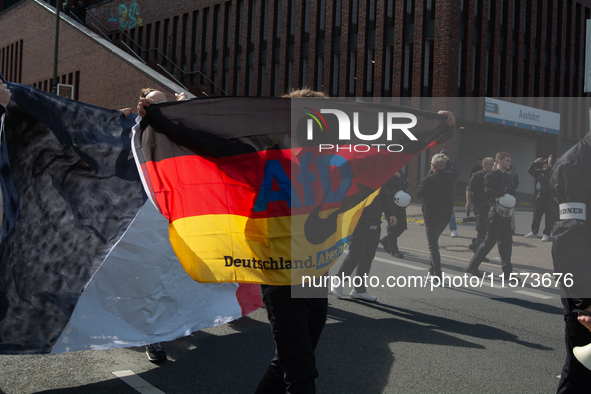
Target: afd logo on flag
390,122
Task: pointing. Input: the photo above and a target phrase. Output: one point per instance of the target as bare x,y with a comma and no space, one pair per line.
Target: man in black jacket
390,241
436,190
570,185
540,169
476,196
497,183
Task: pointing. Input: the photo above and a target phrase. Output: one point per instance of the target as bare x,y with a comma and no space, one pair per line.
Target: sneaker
454,233
473,272
511,281
155,352
429,277
398,254
385,245
337,291
545,238
531,235
363,296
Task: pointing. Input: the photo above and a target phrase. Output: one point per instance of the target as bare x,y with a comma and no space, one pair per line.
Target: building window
389,13
371,18
388,59
204,46
194,43
156,40
148,41
336,61
321,20
369,68
173,49
407,70
338,15
409,11
352,73
354,16
319,73
428,68
430,10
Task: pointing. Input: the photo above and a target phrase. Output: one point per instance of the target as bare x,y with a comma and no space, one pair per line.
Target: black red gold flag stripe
250,198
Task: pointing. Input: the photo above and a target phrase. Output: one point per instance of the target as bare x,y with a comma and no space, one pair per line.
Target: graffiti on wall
127,18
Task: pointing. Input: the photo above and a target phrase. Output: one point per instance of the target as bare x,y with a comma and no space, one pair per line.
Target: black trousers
499,230
393,232
296,324
362,249
575,378
434,231
542,206
481,214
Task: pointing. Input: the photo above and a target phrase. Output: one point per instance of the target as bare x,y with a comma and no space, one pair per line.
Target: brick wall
105,79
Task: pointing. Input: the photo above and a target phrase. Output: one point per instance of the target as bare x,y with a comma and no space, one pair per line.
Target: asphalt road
461,340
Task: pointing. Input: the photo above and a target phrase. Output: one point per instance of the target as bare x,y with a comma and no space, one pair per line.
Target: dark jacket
497,183
393,186
372,214
2,110
515,178
570,182
542,178
476,186
436,190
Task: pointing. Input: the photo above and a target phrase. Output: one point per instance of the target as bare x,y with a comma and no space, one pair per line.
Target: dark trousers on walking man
296,324
390,240
499,231
542,207
362,249
434,231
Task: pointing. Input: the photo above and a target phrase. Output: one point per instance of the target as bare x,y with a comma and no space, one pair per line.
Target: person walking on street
436,191
296,324
363,245
476,196
477,167
570,188
540,170
395,205
450,168
515,179
499,189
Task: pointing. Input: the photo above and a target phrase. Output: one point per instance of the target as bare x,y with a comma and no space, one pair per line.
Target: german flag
264,190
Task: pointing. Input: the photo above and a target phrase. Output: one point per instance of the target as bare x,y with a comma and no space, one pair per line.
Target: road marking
136,382
529,293
414,267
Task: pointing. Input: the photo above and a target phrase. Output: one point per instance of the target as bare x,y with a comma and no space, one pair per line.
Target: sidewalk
529,254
